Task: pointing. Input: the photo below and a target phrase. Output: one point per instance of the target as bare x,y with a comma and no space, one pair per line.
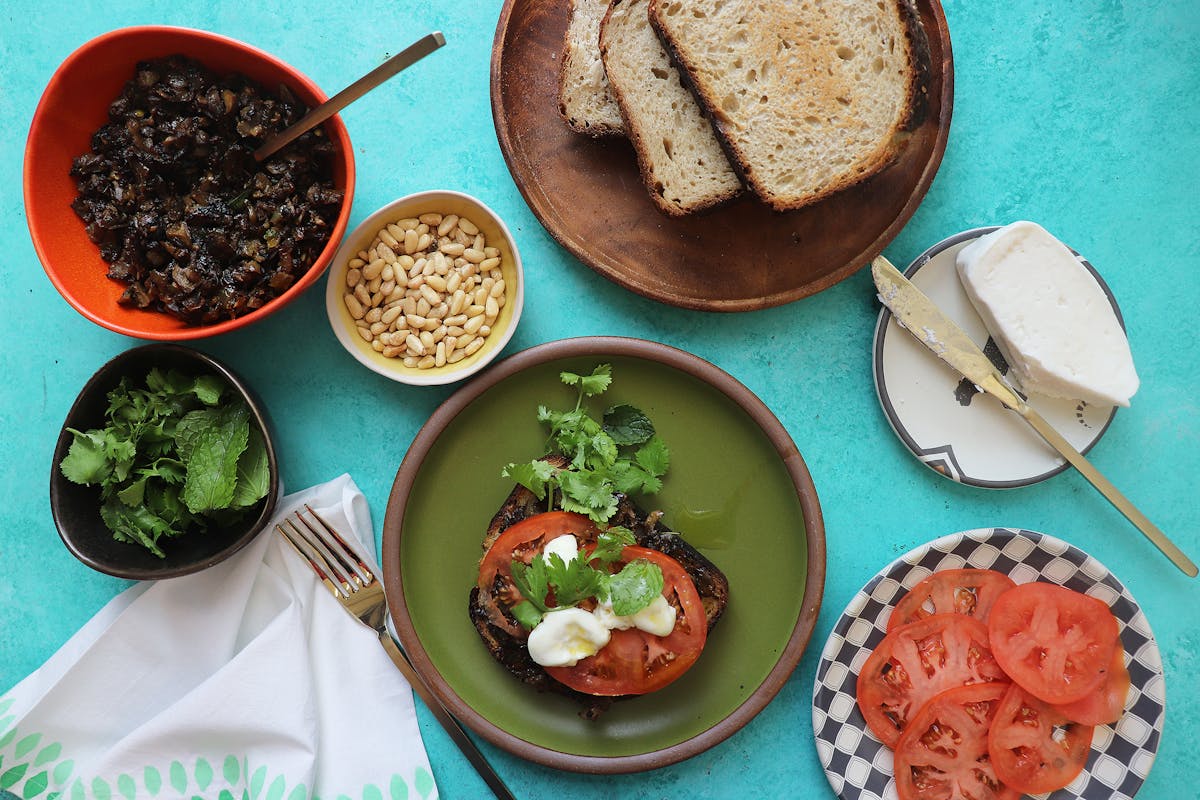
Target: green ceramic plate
737,489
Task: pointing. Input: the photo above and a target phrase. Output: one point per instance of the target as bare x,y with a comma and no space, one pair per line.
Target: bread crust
886,152
596,129
636,134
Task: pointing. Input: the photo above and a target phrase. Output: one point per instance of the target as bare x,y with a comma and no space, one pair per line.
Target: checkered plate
859,766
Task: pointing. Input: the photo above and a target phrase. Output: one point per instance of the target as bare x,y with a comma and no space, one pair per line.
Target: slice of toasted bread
681,162
808,96
584,98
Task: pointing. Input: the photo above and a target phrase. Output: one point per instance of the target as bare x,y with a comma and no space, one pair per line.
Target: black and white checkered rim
859,766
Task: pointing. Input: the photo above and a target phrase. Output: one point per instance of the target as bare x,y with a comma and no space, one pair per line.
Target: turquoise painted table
1084,116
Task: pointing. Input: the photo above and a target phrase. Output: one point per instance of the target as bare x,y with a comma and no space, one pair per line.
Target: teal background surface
1083,116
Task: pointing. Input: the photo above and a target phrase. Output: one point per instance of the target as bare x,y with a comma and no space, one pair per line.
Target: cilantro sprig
620,453
571,582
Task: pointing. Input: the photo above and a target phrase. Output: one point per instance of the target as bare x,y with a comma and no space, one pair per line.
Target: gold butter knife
917,314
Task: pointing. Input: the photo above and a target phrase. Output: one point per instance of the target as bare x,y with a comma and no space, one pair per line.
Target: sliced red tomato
1033,747
971,592
633,661
1105,705
1055,643
943,753
917,661
521,542
636,662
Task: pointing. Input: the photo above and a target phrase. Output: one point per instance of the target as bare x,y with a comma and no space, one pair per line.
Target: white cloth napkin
244,680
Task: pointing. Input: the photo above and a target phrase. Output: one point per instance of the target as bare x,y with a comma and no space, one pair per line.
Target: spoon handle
406,57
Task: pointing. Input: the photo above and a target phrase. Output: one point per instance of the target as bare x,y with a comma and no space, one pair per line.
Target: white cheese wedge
565,636
1048,315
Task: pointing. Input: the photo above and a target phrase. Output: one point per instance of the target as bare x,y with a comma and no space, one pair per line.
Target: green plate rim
698,368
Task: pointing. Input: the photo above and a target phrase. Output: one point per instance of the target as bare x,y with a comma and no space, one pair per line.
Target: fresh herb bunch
628,591
618,454
171,457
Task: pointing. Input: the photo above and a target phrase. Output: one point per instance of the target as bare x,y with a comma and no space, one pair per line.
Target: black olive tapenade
180,209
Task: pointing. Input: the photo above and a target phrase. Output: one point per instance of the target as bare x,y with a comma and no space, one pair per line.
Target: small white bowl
434,201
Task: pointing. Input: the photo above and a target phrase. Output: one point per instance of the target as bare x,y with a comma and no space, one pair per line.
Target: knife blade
918,315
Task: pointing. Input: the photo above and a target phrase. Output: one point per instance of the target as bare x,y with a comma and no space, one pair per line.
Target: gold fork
350,579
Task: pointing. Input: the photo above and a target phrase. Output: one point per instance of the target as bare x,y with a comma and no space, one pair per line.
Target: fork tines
335,562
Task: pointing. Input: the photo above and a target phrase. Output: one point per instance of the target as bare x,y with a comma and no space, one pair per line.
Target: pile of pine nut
428,290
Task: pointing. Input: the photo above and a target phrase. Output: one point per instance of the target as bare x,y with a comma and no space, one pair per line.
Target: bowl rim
721,381
259,416
335,127
438,376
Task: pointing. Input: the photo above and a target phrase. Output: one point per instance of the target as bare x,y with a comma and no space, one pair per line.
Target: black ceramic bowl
76,508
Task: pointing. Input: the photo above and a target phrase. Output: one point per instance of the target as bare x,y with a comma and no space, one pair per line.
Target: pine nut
372,271
426,291
429,294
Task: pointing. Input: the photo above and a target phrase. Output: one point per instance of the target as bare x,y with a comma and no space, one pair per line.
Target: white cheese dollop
1048,315
657,618
565,636
567,546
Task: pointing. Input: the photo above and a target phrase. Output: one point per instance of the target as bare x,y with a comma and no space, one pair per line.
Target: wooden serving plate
741,257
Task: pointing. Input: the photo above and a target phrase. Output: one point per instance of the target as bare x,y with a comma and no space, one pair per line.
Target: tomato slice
1105,705
633,661
943,753
1055,643
636,662
521,542
917,661
952,591
1033,747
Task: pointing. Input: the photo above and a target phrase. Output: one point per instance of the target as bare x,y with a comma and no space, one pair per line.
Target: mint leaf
627,425
634,587
253,472
215,441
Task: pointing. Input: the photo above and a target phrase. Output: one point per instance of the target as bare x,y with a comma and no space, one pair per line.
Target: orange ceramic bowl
75,104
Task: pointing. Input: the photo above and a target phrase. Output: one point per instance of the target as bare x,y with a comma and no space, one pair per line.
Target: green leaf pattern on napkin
31,768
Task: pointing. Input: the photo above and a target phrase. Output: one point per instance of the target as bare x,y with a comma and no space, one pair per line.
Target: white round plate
859,766
943,419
